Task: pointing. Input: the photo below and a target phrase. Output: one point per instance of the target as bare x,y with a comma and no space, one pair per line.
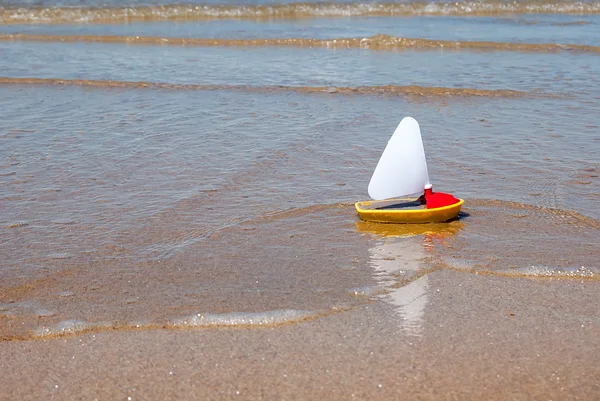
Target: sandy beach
481,337
177,190
421,326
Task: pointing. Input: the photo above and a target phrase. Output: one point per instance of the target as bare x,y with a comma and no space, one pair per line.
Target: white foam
268,318
192,12
531,270
548,271
66,327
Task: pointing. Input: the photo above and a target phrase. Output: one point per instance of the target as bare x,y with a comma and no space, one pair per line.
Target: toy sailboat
401,173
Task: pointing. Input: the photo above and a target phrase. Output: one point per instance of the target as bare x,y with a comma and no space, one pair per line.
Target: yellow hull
369,211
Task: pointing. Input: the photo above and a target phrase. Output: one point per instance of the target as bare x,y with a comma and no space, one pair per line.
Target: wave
376,42
61,15
513,239
549,214
248,320
408,90
488,243
534,272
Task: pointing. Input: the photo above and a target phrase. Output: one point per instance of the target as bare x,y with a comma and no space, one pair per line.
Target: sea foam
268,318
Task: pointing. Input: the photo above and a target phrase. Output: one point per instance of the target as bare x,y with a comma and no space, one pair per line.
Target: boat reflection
432,230
398,262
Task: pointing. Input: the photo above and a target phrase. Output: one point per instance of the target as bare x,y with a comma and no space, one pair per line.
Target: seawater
173,166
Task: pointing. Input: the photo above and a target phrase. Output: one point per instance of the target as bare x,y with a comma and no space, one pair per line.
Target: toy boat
400,173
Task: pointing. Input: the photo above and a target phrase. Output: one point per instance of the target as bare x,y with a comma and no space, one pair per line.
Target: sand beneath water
461,336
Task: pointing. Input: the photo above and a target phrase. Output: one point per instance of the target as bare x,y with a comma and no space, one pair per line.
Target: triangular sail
402,168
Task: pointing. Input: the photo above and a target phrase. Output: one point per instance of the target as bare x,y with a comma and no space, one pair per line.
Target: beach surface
177,188
480,337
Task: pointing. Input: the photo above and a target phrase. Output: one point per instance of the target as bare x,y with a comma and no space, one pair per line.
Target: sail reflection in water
399,262
393,260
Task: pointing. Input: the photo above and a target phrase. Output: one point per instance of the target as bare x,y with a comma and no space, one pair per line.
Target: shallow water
551,74
538,28
146,186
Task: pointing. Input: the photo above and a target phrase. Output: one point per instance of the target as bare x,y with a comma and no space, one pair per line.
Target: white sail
402,168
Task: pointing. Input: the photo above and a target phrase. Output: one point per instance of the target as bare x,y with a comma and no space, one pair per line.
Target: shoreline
518,339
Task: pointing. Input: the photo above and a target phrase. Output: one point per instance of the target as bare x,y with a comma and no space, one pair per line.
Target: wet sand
483,337
176,201
261,280
427,323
